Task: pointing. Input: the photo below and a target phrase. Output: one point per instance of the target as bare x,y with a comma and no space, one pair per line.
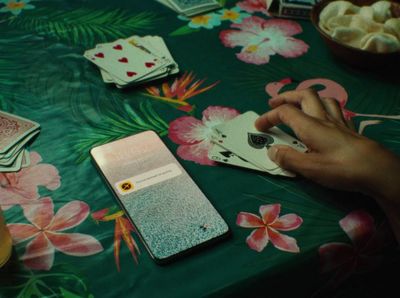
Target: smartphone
170,212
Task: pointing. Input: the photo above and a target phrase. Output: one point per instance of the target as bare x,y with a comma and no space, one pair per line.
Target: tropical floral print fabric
253,6
21,188
194,136
47,233
260,39
16,6
267,228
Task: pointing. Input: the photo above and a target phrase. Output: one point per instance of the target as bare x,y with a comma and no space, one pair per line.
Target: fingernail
272,153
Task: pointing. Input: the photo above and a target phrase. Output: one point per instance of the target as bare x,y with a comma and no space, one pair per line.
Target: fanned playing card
241,137
14,129
222,155
123,61
15,133
133,61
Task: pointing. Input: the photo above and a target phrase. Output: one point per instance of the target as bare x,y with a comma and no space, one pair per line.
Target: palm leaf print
84,26
115,126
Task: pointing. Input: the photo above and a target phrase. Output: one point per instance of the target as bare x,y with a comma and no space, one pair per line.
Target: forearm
392,212
384,186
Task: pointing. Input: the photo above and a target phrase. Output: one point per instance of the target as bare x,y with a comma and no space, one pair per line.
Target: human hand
339,157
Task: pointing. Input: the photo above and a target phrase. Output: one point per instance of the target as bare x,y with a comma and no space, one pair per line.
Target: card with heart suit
240,137
132,61
153,45
123,61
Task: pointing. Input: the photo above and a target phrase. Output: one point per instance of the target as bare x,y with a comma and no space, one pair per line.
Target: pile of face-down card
15,134
132,61
237,142
191,7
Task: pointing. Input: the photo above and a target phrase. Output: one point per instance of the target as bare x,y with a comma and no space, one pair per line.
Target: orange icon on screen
126,186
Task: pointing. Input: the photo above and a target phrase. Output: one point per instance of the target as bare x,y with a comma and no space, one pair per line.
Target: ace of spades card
240,137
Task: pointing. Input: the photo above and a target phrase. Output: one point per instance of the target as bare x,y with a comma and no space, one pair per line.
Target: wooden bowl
351,55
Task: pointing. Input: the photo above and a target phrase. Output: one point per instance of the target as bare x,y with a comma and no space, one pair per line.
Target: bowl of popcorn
363,33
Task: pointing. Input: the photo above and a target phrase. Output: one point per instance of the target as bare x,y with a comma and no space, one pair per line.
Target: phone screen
170,212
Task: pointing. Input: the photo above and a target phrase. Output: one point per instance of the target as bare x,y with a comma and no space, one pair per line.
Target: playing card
16,165
241,137
26,160
167,4
222,155
156,46
193,7
12,130
8,157
122,61
160,48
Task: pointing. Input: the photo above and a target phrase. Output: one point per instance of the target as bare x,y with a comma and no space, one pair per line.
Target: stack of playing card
237,142
15,134
191,7
132,61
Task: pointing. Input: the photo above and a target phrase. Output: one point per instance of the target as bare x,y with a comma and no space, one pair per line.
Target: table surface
76,242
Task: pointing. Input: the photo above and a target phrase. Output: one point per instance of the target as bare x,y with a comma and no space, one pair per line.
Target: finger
304,126
291,159
307,99
332,107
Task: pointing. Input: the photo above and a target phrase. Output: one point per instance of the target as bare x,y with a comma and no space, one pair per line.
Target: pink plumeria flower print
22,187
267,228
194,136
47,233
254,6
260,39
359,256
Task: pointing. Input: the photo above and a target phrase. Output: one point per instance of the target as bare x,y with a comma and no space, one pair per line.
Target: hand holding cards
133,61
15,133
237,142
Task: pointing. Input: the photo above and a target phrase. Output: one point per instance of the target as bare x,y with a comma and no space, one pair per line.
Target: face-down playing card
14,129
241,137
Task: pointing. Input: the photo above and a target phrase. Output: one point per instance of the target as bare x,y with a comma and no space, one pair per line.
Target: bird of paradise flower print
122,230
180,91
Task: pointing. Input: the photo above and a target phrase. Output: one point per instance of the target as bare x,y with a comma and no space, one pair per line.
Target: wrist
383,177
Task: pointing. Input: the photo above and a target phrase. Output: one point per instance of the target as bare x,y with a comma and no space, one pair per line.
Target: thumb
289,159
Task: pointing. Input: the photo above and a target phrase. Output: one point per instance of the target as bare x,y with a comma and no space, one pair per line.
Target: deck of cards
191,8
15,133
132,61
237,142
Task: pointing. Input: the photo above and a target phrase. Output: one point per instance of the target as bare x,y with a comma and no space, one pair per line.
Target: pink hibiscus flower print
260,39
361,255
254,6
267,227
194,136
22,187
47,233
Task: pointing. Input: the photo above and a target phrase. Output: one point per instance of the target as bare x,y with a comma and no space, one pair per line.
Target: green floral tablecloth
70,237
